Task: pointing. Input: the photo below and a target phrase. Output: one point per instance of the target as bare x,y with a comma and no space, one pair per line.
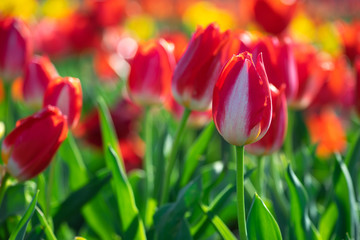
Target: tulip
274,138
327,131
38,74
357,86
151,72
279,62
198,69
274,15
242,106
106,13
15,47
65,93
29,148
311,74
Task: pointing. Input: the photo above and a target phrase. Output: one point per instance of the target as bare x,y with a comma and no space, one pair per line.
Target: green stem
149,154
3,187
172,156
240,192
8,111
260,160
49,188
288,144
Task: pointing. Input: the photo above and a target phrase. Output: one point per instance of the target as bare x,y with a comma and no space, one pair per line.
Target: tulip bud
15,47
38,74
65,93
198,69
151,72
274,138
29,148
242,106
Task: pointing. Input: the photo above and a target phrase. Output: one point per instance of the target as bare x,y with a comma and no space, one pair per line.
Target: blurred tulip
279,63
311,71
198,69
274,15
274,138
38,74
106,13
357,86
29,148
242,107
124,116
51,37
338,87
327,131
66,94
350,38
102,66
151,71
196,119
179,40
132,151
83,36
15,47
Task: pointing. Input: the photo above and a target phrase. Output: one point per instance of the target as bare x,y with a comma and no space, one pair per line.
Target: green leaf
79,198
348,222
216,205
260,223
95,211
48,231
300,223
131,224
193,155
20,229
107,129
169,219
328,221
70,152
218,224
17,199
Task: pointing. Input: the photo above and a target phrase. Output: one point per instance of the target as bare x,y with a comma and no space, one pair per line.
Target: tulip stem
49,188
288,144
3,186
148,165
172,156
8,114
240,192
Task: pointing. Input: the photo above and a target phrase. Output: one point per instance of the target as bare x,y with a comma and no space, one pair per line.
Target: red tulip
274,15
279,62
242,106
350,38
65,93
338,85
151,72
106,13
29,148
38,74
124,115
15,47
357,88
274,138
180,42
51,37
198,69
311,74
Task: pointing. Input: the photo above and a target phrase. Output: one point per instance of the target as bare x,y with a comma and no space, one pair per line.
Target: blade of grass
19,232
